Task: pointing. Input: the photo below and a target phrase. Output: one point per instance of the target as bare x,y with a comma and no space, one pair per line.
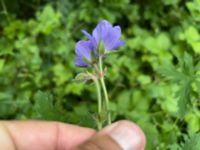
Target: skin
40,135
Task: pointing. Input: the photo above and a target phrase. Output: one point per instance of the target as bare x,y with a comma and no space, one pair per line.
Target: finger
123,135
40,135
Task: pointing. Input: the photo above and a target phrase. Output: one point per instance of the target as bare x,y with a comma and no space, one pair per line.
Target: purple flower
83,51
105,34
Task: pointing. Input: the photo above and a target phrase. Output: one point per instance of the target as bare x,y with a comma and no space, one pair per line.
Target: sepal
101,48
84,77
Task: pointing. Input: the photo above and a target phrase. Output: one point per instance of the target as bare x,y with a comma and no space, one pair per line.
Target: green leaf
61,75
193,7
170,104
192,143
170,71
75,88
45,108
123,102
84,117
144,79
184,97
197,67
151,133
1,64
198,85
193,121
187,65
193,38
48,19
158,44
170,2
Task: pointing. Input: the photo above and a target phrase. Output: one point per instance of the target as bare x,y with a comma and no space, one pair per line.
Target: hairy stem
99,122
104,90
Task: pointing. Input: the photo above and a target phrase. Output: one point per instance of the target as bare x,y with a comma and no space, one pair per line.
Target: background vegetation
153,80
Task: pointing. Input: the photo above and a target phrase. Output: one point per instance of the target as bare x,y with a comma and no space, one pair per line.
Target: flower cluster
103,39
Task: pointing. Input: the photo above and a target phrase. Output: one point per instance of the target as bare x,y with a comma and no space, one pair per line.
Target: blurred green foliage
153,80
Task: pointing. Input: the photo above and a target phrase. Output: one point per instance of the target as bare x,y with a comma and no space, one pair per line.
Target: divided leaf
184,97
192,143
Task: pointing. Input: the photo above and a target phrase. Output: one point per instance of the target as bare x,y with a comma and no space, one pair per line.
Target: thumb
122,135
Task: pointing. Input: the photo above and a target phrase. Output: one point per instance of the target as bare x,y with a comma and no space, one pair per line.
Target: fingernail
128,135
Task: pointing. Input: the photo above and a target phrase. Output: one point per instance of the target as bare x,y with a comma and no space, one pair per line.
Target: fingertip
137,131
127,134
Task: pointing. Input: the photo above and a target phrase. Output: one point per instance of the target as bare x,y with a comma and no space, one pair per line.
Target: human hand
41,135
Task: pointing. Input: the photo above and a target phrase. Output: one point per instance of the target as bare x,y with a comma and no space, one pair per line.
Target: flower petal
83,51
84,48
79,61
101,30
118,44
92,39
112,38
86,34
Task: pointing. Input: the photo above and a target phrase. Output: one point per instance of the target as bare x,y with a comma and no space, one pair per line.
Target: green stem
99,121
104,90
